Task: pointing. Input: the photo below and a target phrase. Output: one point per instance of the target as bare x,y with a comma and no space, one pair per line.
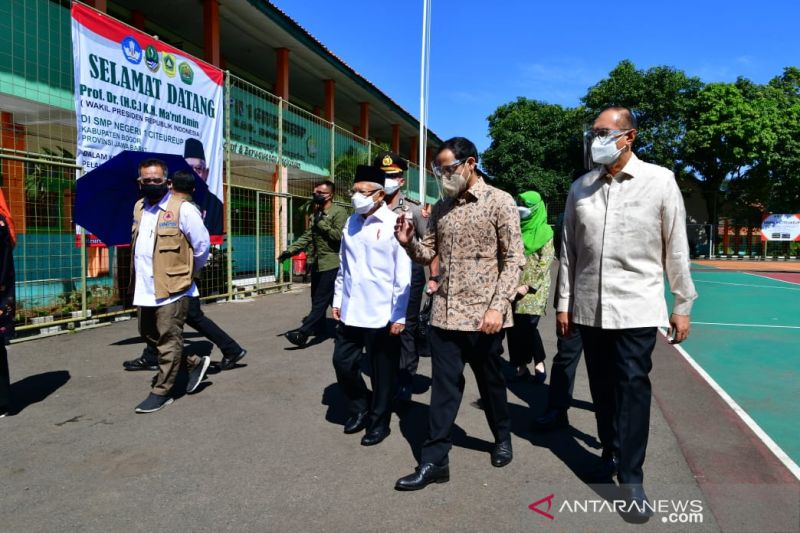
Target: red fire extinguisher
299,264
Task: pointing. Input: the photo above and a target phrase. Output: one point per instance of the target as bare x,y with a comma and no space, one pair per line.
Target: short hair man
370,301
170,244
475,232
183,187
322,240
624,227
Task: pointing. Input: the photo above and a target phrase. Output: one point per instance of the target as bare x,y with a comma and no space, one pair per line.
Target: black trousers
524,342
383,351
562,370
322,287
5,378
409,356
450,351
619,362
206,327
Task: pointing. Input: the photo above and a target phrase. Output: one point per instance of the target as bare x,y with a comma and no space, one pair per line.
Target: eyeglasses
365,193
153,181
605,132
446,170
199,169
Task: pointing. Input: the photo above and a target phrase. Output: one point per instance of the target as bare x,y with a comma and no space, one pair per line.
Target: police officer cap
390,163
368,173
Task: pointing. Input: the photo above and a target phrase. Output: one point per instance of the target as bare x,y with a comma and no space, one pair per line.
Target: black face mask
154,192
319,199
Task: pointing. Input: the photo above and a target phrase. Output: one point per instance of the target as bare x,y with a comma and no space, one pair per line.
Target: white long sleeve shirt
374,279
191,224
620,235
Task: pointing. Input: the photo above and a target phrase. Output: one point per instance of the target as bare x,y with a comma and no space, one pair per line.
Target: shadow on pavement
34,389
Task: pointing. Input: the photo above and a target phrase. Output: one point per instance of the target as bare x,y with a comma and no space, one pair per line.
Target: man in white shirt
624,227
170,244
370,300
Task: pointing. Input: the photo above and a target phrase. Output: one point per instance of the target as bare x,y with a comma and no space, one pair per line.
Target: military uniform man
322,240
393,167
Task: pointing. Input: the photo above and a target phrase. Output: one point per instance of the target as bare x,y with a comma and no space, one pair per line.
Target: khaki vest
173,256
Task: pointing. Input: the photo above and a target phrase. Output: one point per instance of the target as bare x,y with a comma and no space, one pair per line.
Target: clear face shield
588,137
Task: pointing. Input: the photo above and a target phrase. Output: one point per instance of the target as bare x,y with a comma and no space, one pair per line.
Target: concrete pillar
330,100
282,73
137,19
13,138
396,138
363,123
211,31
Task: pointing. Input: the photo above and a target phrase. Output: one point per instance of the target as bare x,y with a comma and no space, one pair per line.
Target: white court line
782,456
752,285
744,325
762,276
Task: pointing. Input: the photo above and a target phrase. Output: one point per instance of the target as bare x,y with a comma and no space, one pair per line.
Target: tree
730,131
535,146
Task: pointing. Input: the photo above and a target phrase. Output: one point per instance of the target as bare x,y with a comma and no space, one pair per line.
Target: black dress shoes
228,363
297,337
375,436
356,423
551,419
424,475
607,469
502,454
637,509
140,364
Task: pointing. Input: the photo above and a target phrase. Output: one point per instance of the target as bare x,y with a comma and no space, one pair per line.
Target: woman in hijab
524,341
8,238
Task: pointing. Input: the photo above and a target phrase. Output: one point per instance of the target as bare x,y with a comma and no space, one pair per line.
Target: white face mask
524,212
454,185
390,185
362,204
604,150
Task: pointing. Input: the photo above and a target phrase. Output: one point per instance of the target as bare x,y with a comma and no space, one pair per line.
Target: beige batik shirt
621,235
477,238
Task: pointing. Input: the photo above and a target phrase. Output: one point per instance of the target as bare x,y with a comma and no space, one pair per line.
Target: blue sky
487,53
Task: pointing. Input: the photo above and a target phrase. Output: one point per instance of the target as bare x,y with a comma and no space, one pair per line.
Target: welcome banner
133,92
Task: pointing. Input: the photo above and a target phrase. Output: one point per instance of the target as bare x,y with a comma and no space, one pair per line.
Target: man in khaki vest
169,244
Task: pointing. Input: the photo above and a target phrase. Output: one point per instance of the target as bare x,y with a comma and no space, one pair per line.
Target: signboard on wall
133,92
254,133
781,228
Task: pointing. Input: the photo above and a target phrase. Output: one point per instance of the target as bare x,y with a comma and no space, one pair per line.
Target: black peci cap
368,173
194,148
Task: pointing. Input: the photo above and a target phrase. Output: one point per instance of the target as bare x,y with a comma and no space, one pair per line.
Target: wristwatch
437,278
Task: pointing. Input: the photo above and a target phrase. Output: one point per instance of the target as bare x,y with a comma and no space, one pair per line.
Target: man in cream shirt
624,227
370,300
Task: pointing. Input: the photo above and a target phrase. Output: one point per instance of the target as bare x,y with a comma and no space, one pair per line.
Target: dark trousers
5,377
619,362
322,286
409,356
383,351
524,342
450,351
562,370
206,327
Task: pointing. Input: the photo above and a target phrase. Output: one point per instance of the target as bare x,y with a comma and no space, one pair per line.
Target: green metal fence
274,153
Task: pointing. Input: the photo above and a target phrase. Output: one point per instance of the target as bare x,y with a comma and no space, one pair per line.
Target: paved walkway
261,448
